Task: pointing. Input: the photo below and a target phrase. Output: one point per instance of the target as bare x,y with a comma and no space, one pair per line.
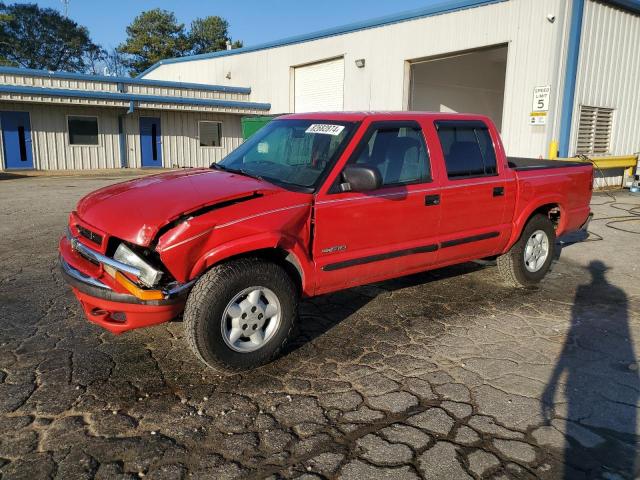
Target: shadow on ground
601,384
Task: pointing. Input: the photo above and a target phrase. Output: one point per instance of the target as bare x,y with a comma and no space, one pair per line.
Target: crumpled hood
136,210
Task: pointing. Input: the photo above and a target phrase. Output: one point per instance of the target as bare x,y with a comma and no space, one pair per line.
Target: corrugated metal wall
534,59
32,80
180,143
609,73
51,149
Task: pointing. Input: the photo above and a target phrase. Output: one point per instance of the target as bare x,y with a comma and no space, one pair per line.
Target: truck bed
524,164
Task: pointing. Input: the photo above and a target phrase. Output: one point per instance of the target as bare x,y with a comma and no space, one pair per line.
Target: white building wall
533,60
609,73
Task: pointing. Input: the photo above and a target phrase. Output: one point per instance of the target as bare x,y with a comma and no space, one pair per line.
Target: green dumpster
251,125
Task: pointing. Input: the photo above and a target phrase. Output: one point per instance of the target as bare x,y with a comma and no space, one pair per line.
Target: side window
467,148
397,151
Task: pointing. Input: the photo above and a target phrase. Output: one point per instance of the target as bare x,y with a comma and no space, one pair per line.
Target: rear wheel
530,258
240,314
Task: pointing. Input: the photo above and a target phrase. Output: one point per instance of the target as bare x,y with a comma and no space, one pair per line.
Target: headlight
150,276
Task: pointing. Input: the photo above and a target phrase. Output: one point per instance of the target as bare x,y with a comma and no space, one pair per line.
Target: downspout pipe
571,74
122,139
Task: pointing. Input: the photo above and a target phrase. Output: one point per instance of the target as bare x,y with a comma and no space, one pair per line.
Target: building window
594,130
83,130
210,134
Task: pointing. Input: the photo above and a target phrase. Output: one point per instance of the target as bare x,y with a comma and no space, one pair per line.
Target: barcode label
325,129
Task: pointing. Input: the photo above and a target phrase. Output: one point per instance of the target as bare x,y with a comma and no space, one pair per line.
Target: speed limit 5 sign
541,98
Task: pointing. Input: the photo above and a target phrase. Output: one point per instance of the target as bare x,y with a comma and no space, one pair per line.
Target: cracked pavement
445,374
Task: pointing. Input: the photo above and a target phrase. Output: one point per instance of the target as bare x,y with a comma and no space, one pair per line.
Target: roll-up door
319,87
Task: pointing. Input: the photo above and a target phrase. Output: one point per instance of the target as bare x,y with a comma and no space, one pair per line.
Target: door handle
430,200
498,191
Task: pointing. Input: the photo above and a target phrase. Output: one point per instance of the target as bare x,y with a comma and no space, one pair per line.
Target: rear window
467,148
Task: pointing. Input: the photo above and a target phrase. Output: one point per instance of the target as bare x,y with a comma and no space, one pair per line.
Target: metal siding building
37,109
585,50
609,73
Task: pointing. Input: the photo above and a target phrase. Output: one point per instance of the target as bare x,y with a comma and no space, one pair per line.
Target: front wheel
240,314
529,260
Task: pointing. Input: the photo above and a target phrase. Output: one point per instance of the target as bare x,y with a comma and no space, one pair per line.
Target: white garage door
319,87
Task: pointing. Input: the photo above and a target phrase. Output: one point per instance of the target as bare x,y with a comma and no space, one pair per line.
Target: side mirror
360,179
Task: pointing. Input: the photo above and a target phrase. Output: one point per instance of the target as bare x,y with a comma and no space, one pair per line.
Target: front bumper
105,302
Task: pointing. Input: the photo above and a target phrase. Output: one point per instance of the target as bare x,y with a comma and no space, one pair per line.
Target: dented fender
267,240
196,244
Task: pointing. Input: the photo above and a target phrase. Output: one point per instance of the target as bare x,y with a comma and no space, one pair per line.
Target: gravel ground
446,374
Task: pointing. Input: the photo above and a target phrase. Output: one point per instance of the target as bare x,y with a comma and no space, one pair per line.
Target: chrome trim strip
81,277
187,240
169,293
379,195
495,180
178,289
527,177
98,257
233,222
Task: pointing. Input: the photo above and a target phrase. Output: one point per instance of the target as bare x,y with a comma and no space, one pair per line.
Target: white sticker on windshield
325,129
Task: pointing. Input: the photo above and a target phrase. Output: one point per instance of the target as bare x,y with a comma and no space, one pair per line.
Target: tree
152,36
115,63
94,59
35,37
210,34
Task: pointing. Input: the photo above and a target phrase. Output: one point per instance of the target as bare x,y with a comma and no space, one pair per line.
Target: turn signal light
132,288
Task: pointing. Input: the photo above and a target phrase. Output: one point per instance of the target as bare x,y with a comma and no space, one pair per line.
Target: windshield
290,152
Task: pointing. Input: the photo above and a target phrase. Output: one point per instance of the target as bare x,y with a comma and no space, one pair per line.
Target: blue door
150,142
16,139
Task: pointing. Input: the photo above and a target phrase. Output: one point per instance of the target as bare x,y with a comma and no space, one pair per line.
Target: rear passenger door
474,192
365,236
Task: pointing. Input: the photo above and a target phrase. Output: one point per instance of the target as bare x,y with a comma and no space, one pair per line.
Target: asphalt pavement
445,374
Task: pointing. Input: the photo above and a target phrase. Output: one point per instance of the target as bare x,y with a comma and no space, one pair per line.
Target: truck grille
89,235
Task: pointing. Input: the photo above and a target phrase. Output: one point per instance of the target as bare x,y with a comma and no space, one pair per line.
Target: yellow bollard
553,150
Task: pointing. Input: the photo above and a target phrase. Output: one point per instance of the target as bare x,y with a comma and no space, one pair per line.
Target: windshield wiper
282,183
217,166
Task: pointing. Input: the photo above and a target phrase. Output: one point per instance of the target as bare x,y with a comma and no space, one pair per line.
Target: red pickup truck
312,204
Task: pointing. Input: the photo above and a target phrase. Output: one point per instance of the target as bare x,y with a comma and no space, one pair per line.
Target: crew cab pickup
312,204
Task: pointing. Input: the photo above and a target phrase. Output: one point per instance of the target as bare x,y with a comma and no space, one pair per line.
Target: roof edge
132,80
437,9
632,6
135,97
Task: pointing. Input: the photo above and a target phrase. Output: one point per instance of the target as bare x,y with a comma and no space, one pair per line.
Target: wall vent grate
594,130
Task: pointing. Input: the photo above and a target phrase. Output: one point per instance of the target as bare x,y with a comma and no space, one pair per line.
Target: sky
252,21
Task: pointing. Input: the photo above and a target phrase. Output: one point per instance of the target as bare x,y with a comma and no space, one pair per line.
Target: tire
224,291
513,267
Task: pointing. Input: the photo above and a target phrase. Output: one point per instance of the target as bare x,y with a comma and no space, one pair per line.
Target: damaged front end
119,285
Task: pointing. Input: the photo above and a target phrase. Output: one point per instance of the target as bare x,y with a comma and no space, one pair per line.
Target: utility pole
65,4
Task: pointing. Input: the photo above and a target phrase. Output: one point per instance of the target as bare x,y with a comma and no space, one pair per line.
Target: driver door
361,237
